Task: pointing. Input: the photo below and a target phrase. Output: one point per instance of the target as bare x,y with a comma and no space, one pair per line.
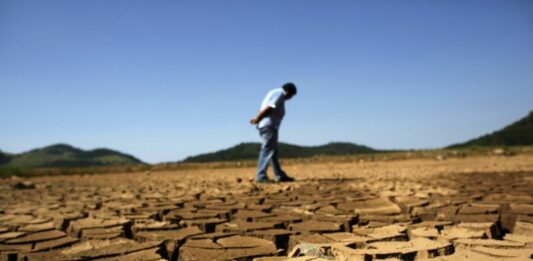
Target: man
268,121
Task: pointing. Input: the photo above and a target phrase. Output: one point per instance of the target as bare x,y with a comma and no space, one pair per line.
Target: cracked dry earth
456,209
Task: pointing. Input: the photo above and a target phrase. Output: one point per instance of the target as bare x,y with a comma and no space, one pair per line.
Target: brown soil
454,209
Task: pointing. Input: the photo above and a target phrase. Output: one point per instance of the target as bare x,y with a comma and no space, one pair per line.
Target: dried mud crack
470,209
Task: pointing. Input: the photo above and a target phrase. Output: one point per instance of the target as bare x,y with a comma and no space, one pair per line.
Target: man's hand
254,121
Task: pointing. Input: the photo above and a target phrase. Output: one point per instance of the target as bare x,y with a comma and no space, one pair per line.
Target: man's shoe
286,179
264,181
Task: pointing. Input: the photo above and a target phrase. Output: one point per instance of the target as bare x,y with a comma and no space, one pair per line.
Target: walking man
268,121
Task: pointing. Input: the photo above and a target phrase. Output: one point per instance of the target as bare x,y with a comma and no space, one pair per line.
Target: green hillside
517,134
4,158
250,151
63,155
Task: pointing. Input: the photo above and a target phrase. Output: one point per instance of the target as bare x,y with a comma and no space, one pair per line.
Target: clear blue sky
163,80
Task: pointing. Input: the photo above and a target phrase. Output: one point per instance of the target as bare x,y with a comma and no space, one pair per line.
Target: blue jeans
269,154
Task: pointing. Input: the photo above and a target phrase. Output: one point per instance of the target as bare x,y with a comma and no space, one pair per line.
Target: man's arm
264,112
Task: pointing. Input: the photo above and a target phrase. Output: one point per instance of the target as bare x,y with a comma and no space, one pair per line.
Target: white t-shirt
276,100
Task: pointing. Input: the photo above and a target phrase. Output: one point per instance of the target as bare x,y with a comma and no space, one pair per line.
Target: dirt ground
476,208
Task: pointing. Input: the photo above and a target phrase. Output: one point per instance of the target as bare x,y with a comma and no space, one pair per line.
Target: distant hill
63,155
4,158
248,151
518,133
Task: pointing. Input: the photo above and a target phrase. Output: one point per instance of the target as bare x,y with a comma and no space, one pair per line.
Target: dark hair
290,88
